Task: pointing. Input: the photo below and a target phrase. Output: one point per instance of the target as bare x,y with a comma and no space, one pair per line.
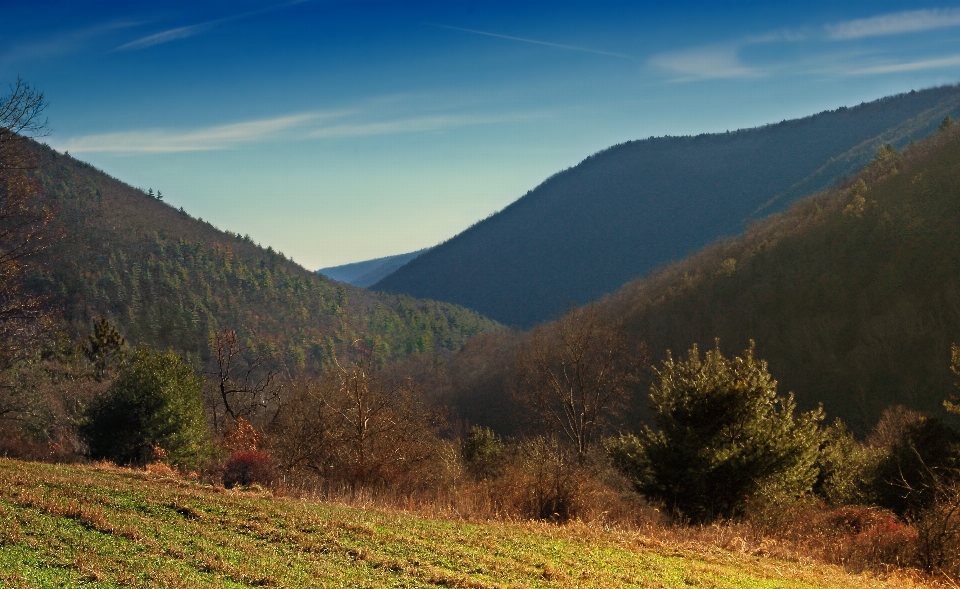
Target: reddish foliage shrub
242,437
871,536
248,467
23,449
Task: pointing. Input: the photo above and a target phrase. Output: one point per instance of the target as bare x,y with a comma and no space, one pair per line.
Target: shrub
938,528
843,467
918,455
551,488
482,452
154,402
871,536
724,435
248,467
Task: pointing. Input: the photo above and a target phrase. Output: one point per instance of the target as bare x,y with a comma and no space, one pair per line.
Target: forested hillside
169,280
634,207
851,295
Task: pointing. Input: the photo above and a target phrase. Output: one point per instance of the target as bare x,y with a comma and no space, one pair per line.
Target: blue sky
342,131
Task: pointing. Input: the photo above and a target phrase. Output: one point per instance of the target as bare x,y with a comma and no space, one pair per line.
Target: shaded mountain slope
368,272
853,296
170,280
622,212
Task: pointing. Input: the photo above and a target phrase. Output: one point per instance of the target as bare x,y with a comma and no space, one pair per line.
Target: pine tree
724,435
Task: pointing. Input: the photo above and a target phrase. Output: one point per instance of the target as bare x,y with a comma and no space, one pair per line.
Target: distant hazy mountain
364,274
631,208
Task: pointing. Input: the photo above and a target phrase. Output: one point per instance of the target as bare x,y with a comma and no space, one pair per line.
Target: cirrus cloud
704,63
212,138
896,23
342,124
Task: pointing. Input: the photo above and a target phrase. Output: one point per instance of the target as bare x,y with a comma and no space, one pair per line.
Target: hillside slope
169,280
624,211
852,295
69,526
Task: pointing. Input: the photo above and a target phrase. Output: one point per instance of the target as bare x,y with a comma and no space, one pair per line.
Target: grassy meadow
102,526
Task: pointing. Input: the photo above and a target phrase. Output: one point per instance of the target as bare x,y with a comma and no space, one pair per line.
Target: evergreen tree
154,404
724,435
106,347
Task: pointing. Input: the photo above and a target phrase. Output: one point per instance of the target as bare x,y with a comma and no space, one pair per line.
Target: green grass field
69,526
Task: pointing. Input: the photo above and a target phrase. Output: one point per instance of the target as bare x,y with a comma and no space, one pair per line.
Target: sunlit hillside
68,526
170,280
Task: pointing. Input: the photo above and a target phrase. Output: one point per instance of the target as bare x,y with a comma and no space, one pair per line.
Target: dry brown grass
861,540
249,537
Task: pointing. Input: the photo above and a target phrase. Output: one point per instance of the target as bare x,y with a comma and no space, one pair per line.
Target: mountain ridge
589,229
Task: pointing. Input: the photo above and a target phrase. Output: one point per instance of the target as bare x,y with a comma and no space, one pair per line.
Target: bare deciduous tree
302,437
577,372
243,385
20,113
24,221
381,426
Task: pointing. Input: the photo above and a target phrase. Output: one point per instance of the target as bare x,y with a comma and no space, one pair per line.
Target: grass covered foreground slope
170,280
620,213
82,526
853,296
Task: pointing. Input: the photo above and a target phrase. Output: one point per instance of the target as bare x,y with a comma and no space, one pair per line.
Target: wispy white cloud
168,35
910,66
184,32
417,124
295,127
203,139
895,23
778,36
533,41
704,63
63,43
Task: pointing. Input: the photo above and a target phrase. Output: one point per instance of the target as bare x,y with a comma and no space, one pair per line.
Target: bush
482,452
919,455
551,487
724,436
249,467
544,479
938,528
844,465
154,402
871,536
